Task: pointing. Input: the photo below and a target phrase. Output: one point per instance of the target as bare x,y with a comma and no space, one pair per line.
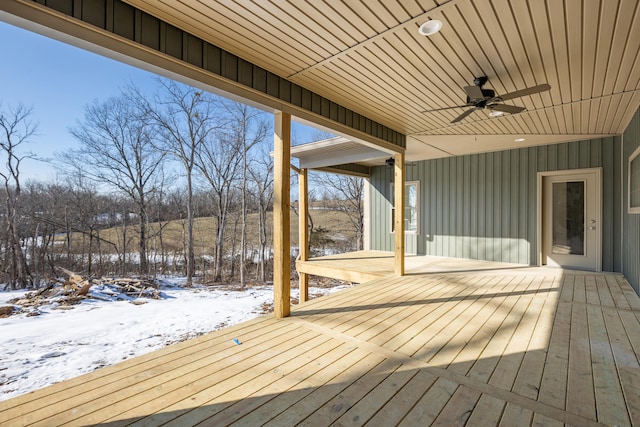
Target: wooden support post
281,215
303,230
398,225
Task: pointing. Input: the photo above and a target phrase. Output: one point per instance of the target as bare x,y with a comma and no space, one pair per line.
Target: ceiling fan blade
524,92
463,115
444,108
511,109
474,92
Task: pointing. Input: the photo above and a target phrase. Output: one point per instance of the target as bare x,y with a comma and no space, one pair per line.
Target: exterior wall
631,222
484,206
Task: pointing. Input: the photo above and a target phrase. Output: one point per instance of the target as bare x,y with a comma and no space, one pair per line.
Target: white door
571,206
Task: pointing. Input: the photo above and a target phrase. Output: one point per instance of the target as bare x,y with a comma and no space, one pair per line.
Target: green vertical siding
631,222
484,206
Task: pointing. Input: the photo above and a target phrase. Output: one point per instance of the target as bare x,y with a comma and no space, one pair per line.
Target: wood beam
295,169
303,230
350,169
281,215
398,226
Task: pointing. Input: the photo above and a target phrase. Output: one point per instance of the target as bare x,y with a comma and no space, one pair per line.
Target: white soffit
335,151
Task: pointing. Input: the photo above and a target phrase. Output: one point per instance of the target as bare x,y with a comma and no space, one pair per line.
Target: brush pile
72,289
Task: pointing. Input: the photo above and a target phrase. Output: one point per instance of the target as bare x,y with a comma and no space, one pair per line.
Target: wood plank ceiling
368,56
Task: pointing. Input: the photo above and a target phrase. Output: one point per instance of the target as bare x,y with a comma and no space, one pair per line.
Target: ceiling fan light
430,27
496,113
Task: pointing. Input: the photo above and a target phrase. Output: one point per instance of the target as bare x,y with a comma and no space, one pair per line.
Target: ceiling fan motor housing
480,81
486,95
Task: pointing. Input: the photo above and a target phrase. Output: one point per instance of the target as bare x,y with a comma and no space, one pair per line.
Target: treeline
132,197
96,234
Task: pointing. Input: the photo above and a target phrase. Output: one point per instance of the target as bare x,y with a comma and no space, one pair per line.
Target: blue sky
57,80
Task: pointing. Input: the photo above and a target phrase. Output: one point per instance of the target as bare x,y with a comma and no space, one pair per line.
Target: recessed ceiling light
519,140
430,27
496,113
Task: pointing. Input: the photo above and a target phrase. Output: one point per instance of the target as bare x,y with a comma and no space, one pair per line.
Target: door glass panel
411,207
568,218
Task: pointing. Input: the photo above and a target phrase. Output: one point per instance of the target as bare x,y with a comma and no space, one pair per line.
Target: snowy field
61,344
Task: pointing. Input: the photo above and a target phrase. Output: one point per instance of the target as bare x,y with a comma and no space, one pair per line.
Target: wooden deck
364,266
519,346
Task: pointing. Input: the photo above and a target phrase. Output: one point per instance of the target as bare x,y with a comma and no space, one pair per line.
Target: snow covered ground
61,344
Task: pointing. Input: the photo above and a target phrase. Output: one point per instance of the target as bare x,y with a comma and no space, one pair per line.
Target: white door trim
539,213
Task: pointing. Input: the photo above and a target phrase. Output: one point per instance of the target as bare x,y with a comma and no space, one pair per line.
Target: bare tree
85,214
223,163
116,143
218,163
158,215
262,184
17,129
250,129
176,205
347,193
39,207
185,117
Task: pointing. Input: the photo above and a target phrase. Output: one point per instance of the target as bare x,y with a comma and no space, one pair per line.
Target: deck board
610,404
580,393
626,360
476,345
529,376
487,412
431,403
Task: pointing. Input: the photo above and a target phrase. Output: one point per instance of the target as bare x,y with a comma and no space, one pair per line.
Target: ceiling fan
479,98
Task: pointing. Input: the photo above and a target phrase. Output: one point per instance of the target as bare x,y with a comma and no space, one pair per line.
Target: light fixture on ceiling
519,140
430,27
496,114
